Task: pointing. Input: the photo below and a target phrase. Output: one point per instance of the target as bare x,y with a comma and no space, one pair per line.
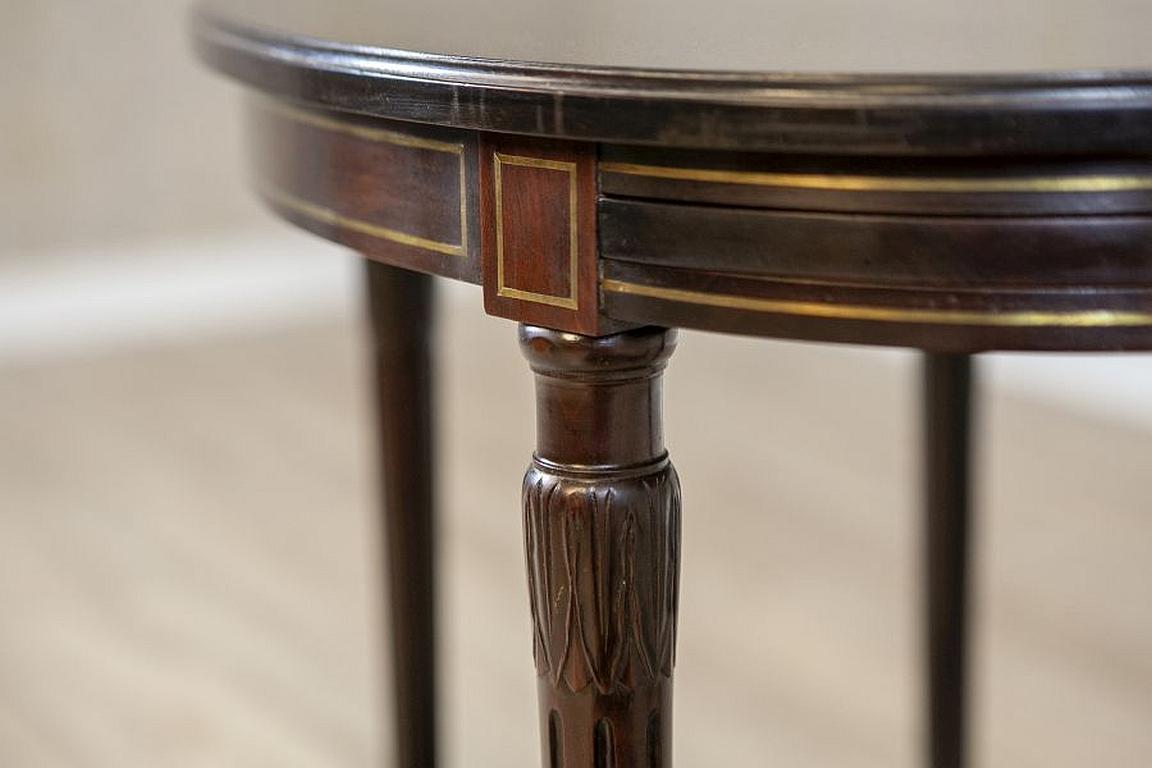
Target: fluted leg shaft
602,534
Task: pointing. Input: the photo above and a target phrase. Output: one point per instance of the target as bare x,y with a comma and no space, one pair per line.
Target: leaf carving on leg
603,565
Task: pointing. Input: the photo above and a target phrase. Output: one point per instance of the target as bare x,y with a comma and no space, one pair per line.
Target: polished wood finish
400,194
947,502
956,319
943,255
731,75
400,303
602,532
994,185
958,182
538,225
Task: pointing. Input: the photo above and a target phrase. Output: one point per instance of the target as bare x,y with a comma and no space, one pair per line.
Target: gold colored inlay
369,133
1075,319
856,183
332,218
570,301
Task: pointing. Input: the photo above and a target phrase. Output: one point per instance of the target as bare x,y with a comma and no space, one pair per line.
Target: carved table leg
602,532
401,309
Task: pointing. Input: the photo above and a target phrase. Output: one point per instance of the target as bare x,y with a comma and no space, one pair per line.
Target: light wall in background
110,129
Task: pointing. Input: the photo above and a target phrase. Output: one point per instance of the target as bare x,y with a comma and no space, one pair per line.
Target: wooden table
609,171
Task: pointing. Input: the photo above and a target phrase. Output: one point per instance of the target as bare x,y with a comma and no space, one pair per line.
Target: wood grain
886,110
399,194
538,226
602,533
945,254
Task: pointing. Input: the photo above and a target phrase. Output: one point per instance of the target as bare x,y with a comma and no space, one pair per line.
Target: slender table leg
602,533
947,450
401,312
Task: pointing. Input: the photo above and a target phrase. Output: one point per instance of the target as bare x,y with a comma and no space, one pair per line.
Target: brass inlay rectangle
571,300
1074,319
330,217
857,183
396,138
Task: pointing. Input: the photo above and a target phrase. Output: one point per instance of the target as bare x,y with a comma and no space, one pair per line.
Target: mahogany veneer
686,168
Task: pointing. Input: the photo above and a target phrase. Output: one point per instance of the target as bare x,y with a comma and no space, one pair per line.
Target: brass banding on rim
860,183
369,133
1092,318
328,216
396,138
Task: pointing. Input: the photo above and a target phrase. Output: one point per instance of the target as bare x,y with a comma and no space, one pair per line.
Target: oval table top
897,76
951,176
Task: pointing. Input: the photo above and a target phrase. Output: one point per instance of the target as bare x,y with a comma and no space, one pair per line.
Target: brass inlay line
330,217
1075,319
856,183
366,132
571,300
386,136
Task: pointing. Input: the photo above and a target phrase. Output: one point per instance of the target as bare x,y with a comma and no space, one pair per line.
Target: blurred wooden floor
187,561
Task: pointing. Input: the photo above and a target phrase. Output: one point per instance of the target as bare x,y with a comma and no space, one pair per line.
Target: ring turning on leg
602,533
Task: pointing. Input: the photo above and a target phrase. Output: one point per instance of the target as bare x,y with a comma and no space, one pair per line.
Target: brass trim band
331,217
396,138
368,133
1093,318
859,183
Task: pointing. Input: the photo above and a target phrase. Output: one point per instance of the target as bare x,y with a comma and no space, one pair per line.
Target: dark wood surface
947,451
399,194
400,304
602,531
968,178
1082,85
945,254
538,208
943,204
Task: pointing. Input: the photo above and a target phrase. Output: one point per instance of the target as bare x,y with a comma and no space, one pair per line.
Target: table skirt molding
1020,253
